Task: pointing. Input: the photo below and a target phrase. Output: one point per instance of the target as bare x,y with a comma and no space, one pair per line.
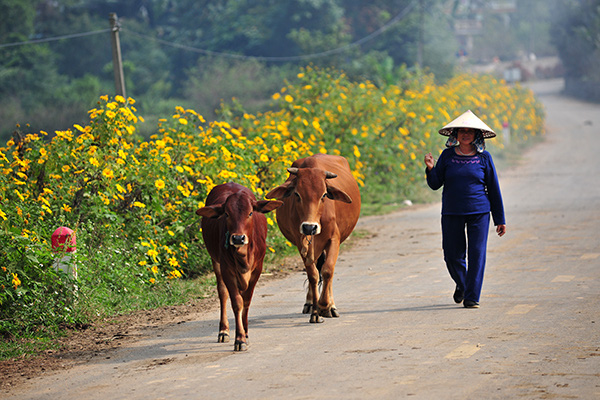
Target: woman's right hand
429,161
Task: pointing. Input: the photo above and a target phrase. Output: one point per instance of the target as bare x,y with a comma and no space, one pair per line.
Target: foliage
131,201
511,36
575,35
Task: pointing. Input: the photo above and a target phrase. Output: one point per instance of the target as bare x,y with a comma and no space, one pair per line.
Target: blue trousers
465,257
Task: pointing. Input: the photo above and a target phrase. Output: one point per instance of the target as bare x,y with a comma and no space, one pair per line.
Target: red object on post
60,237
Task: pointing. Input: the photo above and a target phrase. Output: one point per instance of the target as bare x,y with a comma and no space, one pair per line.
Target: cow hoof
223,337
307,308
316,319
240,346
325,313
329,313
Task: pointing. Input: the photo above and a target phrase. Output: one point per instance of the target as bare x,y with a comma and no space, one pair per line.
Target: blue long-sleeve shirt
470,185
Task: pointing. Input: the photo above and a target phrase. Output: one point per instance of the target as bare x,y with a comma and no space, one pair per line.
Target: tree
576,35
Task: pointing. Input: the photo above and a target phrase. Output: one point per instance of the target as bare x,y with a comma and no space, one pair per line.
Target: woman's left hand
500,230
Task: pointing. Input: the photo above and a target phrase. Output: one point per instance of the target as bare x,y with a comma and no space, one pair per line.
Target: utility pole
116,54
421,29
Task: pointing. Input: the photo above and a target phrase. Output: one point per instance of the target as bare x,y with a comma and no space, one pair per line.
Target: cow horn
293,170
330,175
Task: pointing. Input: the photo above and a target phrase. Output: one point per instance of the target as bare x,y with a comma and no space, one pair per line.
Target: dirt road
536,335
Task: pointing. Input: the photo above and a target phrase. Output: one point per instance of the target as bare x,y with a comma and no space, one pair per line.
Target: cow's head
309,188
238,211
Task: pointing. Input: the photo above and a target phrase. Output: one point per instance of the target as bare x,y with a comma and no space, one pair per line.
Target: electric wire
55,38
398,18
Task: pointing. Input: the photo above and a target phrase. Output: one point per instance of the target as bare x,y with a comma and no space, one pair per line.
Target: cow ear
281,191
210,211
264,206
337,194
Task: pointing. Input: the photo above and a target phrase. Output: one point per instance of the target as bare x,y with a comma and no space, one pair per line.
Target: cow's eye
226,215
297,196
251,212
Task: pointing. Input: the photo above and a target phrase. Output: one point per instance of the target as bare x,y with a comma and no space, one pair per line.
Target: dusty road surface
536,335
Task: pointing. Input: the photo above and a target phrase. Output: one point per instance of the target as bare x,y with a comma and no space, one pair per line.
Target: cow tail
320,263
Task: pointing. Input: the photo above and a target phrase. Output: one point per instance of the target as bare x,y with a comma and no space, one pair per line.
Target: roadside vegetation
131,200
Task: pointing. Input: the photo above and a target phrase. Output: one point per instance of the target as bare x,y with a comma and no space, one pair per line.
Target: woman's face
465,135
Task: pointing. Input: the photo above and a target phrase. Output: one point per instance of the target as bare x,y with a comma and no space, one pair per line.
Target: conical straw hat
468,120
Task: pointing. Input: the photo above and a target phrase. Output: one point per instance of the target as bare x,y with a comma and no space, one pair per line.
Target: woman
471,192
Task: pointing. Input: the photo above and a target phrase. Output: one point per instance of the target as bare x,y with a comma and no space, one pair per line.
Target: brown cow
321,205
234,230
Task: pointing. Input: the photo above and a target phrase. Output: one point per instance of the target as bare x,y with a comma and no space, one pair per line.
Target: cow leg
313,281
241,340
237,304
247,296
309,295
309,301
326,306
223,296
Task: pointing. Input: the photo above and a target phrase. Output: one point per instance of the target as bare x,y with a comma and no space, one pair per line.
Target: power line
399,17
53,39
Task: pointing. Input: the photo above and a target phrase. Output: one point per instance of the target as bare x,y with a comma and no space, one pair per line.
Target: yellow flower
184,190
152,280
16,281
264,158
108,173
20,195
138,204
152,253
160,184
3,215
154,269
94,162
289,98
66,208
